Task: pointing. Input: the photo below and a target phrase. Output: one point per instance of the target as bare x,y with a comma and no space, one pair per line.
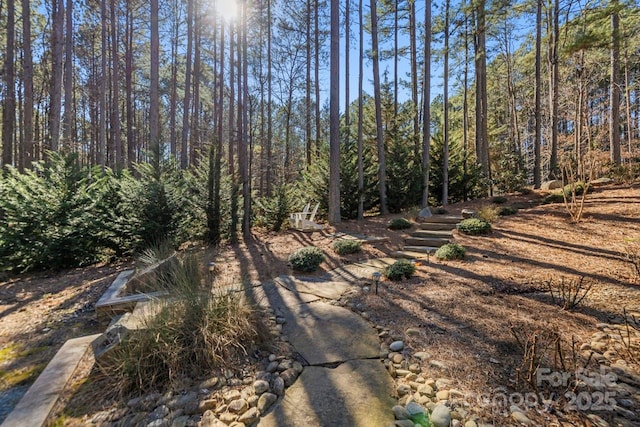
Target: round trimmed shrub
450,251
399,269
399,224
507,210
306,259
347,246
580,187
473,226
554,198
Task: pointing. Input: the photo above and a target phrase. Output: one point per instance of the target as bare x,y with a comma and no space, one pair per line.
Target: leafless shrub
568,292
541,348
632,255
630,344
575,175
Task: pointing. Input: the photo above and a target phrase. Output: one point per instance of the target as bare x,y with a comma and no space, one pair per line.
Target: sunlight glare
227,9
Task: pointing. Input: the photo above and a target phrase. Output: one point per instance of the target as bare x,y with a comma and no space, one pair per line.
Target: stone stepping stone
323,333
360,270
355,394
322,286
279,298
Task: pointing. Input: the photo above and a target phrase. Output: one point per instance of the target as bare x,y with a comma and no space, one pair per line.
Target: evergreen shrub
474,226
347,246
450,251
399,224
306,259
399,269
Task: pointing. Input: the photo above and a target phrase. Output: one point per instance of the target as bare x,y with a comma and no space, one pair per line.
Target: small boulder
441,416
553,184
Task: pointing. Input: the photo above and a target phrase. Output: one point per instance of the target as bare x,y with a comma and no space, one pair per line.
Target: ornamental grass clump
474,226
193,333
306,259
347,246
400,269
399,224
450,251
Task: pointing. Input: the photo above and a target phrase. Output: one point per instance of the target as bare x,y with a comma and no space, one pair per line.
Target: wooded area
246,96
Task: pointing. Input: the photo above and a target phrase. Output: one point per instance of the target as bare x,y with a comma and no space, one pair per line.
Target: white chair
295,218
304,221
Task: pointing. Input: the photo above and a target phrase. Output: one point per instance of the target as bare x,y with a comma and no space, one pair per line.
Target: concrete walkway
345,383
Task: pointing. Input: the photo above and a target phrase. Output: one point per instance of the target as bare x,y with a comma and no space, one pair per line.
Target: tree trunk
216,219
115,91
614,87
334,116
27,145
414,78
57,45
360,113
627,93
233,226
67,126
269,102
426,107
317,72
246,172
482,143
128,72
173,135
154,91
538,113
308,86
465,109
184,147
445,147
347,48
9,107
395,72
195,140
382,166
102,125
554,79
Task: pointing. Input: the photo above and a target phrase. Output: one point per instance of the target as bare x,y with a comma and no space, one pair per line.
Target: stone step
442,234
447,219
436,226
420,249
411,254
427,241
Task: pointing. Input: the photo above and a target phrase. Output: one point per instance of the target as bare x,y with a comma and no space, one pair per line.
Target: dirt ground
465,311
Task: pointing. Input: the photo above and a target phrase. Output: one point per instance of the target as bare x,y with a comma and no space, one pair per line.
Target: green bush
450,251
347,246
272,212
473,226
507,210
554,198
306,259
399,269
498,200
579,188
399,224
57,215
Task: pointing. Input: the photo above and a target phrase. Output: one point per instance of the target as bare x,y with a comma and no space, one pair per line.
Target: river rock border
236,399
